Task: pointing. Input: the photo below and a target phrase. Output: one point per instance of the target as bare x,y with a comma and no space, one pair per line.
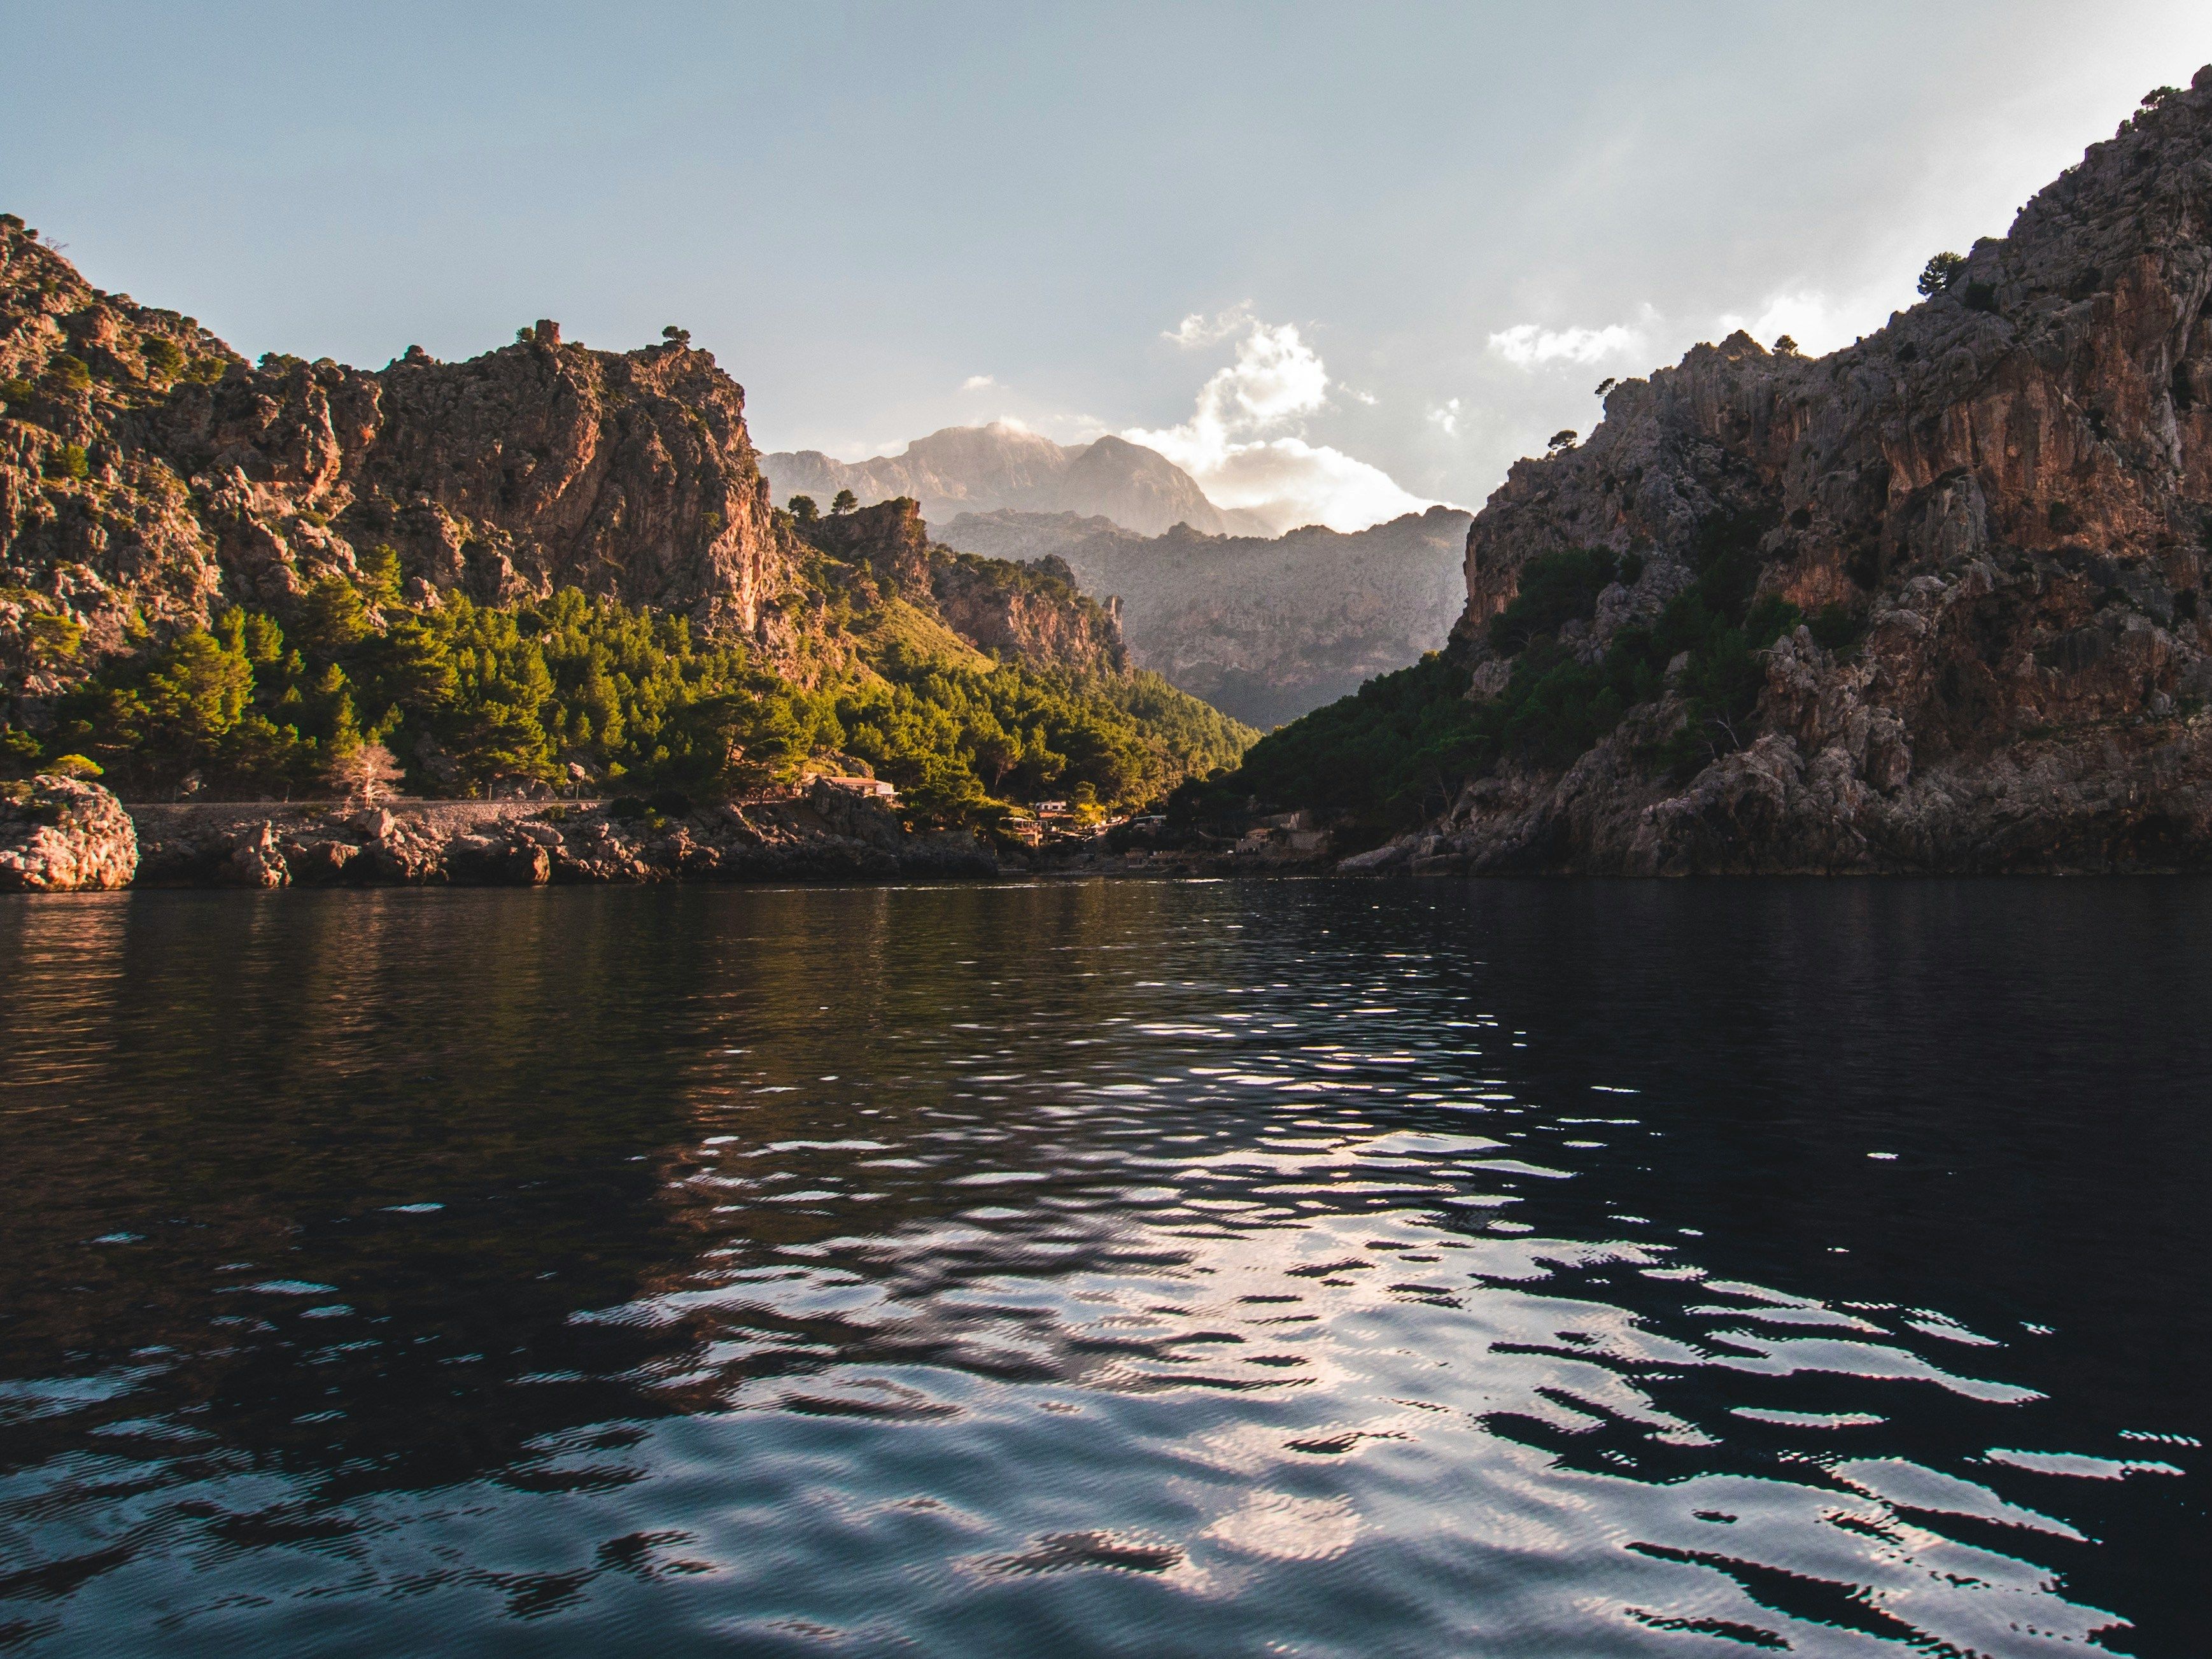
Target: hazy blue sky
1409,238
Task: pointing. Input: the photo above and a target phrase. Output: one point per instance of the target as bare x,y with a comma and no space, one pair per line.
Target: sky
1340,261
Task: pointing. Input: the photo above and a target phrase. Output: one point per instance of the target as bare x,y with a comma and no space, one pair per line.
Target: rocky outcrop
2006,493
985,468
150,480
1264,628
58,836
827,833
1032,611
999,606
148,474
1836,789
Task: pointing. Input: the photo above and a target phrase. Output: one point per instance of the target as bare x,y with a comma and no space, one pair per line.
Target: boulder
259,861
59,836
498,861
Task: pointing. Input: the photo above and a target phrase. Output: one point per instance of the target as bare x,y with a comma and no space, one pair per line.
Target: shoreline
63,837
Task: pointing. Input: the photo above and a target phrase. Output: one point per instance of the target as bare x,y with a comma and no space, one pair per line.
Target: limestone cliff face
2009,487
148,474
1038,615
1002,608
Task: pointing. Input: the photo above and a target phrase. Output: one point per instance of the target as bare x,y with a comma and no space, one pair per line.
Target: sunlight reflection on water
1406,1270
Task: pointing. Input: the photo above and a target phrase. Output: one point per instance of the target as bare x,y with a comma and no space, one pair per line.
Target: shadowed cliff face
1266,629
2009,489
146,471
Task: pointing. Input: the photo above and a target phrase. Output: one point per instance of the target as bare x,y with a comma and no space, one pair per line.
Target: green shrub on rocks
67,376
476,698
1555,588
1398,749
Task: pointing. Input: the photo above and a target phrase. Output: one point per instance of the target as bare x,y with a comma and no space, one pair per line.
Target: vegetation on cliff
1399,749
477,698
545,565
1936,600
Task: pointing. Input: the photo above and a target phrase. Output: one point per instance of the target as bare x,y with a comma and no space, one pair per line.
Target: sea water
1140,1267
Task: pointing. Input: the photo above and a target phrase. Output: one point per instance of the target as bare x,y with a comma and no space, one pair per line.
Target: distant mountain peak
1006,466
1263,627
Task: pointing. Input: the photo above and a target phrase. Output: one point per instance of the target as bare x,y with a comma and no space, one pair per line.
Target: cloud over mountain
1245,443
1007,465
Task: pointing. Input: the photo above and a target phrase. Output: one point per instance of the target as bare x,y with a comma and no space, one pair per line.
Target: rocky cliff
1000,607
1002,466
148,473
1262,628
1989,521
149,479
238,580
60,836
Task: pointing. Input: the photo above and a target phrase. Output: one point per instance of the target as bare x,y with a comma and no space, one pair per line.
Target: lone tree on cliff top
802,508
844,501
1940,272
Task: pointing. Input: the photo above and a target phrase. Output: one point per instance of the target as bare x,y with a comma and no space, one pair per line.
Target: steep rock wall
148,474
1032,611
2009,488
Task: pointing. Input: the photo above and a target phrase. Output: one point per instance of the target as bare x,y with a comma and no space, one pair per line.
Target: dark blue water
1139,1268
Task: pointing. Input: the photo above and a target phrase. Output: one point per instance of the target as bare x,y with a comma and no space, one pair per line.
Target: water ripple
1168,1268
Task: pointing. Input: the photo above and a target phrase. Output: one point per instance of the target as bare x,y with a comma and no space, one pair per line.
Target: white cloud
1199,329
1288,481
1526,345
1819,322
1447,418
1244,441
1367,398
978,383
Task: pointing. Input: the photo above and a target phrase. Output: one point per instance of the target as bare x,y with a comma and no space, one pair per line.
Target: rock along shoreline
60,836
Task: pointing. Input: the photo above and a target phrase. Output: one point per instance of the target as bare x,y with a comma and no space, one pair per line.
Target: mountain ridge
1007,466
544,564
1264,628
1933,602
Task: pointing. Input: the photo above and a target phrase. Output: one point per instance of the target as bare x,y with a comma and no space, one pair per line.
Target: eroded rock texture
148,474
58,836
2009,487
826,833
996,606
